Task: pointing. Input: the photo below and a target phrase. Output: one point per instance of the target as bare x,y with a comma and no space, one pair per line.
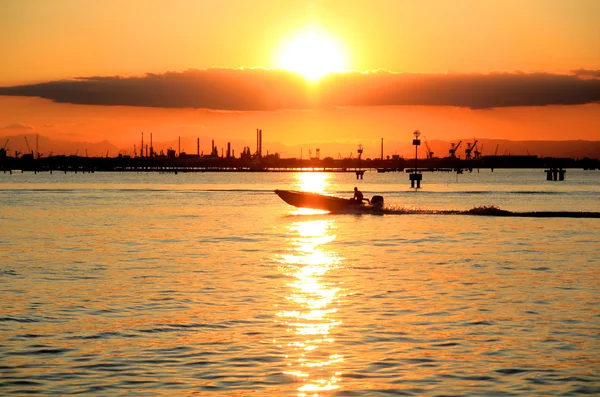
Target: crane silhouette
470,148
478,152
429,152
453,149
27,143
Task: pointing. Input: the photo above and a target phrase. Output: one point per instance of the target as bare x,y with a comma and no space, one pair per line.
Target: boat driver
358,196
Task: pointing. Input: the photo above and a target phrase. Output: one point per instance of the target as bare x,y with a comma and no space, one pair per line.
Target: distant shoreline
193,163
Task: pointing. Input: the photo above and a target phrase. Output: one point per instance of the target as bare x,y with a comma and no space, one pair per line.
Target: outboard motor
377,201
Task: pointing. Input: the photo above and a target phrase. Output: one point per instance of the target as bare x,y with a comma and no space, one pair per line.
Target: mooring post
555,174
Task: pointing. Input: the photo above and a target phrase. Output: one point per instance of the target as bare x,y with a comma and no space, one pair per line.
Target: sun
313,54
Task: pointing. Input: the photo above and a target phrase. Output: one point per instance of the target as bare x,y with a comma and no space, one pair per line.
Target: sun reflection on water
307,211
310,309
315,182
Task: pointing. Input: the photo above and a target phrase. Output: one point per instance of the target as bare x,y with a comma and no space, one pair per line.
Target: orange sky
62,39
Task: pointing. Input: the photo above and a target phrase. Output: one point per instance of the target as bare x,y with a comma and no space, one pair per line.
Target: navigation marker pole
416,176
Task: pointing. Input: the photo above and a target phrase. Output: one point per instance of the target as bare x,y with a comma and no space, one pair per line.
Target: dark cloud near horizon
263,89
17,126
586,73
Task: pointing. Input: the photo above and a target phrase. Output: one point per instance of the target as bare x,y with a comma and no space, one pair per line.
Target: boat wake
490,211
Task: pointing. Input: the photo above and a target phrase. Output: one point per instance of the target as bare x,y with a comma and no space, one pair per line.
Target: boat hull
318,201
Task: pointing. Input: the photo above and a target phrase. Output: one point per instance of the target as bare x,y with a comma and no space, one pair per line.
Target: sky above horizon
494,69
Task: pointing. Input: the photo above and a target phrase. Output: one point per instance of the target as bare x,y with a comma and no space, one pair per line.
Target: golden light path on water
310,318
315,182
311,302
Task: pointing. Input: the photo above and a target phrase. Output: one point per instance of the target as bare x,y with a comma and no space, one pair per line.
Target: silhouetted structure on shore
273,163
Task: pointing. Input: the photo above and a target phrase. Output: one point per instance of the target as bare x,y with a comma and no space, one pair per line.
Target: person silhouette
358,196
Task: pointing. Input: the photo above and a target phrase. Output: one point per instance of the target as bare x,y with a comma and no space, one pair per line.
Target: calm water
208,284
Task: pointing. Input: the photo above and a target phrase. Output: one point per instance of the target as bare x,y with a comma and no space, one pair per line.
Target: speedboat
325,202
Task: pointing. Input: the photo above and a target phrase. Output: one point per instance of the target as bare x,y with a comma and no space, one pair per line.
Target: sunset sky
518,69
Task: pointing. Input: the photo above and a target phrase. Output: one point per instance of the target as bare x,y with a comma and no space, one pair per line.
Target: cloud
17,126
263,89
586,73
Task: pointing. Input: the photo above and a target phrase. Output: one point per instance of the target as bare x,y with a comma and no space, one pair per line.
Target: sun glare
312,181
313,54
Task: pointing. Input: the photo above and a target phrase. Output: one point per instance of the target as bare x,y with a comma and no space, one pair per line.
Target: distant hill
571,149
48,146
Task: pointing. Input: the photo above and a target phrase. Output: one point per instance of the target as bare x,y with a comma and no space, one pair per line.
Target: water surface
161,284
